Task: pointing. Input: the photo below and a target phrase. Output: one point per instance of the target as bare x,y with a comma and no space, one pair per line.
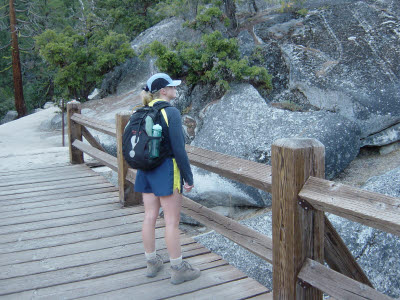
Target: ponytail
147,97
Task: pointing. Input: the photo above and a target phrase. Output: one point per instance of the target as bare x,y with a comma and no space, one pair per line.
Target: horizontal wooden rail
107,159
248,172
368,208
104,127
335,284
246,237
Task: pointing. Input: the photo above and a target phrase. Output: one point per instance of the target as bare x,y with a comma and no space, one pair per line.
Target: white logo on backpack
132,152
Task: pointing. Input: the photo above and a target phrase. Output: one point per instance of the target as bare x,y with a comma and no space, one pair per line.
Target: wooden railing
303,236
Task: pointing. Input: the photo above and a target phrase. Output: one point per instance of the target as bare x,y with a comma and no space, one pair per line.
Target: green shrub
215,60
302,12
207,18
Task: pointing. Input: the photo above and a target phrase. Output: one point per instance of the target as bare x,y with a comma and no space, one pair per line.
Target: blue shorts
161,181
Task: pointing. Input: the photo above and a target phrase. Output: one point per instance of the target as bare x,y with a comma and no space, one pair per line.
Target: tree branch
4,47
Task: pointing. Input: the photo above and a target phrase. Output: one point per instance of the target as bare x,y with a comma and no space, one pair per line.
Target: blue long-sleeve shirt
175,137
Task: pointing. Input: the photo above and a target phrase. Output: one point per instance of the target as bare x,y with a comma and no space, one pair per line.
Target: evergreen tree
81,59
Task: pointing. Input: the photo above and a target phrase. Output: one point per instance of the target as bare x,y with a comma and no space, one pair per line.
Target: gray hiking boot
154,266
183,272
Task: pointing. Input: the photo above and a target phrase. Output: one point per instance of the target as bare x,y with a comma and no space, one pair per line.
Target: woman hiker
162,186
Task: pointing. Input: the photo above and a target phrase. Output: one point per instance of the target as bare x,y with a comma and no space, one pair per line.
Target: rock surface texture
344,59
243,125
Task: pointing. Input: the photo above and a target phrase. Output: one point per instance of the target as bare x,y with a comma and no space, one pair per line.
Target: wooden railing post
74,133
297,229
127,195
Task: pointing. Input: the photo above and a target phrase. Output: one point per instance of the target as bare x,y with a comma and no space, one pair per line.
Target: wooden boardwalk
64,235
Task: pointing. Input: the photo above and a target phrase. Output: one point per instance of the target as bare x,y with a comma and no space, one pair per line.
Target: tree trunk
16,63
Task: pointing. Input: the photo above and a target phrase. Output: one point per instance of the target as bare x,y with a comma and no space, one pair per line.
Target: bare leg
151,209
172,207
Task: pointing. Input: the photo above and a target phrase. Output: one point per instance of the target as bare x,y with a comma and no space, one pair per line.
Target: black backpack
136,142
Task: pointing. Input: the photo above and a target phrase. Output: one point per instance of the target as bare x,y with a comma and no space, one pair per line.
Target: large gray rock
11,115
168,31
376,251
243,125
213,190
55,123
344,58
384,137
133,74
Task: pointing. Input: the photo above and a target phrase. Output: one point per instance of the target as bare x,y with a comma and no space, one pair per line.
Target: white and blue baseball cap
159,81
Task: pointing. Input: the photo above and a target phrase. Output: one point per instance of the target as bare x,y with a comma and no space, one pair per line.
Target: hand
187,187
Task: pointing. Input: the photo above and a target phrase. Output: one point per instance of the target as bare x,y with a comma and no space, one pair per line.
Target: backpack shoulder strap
160,105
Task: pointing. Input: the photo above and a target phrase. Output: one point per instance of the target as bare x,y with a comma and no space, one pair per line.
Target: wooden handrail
335,284
104,127
368,208
244,236
107,159
248,172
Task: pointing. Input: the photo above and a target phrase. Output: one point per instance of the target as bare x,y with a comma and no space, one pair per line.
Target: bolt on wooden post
74,132
297,229
127,195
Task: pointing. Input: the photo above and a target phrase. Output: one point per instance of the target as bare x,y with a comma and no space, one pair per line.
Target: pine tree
16,64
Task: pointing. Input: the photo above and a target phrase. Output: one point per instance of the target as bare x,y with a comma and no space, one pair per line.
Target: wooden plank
127,249
98,125
164,289
297,232
268,296
74,132
107,159
57,183
91,140
63,221
55,216
41,172
251,173
46,177
339,257
73,234
237,289
56,205
368,208
51,194
83,272
44,169
335,284
36,168
80,245
112,282
248,238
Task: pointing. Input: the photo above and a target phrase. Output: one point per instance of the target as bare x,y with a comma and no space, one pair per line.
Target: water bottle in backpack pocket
155,141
